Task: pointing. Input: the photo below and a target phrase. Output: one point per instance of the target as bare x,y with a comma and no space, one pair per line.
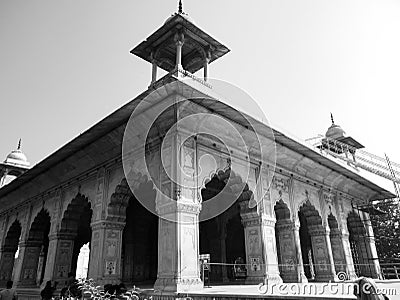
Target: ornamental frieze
280,184
108,225
193,208
328,199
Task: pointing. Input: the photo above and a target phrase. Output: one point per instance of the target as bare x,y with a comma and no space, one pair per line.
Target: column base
178,285
269,278
273,278
326,278
254,279
352,276
302,278
293,278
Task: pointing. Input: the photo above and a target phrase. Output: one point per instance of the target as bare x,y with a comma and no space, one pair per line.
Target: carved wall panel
63,258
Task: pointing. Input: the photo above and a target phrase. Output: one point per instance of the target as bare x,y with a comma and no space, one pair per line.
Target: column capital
250,218
178,207
245,208
179,38
268,221
62,236
103,224
317,230
286,226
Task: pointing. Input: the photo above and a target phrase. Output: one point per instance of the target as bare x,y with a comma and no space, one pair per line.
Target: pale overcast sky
64,65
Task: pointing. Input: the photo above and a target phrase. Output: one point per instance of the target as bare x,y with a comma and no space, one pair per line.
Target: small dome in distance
335,131
17,157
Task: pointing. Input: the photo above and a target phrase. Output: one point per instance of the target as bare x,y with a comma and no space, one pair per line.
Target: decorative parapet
177,72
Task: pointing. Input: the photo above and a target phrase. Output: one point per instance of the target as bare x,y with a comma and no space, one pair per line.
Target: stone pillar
154,68
287,250
253,240
337,250
322,252
270,253
301,277
3,175
205,70
207,60
178,248
30,260
261,256
105,252
372,255
59,258
18,263
6,265
154,72
179,39
222,240
348,257
178,206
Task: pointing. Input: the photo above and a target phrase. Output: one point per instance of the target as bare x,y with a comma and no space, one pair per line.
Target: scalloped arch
236,183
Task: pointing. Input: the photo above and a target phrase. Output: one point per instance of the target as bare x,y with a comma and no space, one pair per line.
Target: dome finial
333,122
19,145
180,10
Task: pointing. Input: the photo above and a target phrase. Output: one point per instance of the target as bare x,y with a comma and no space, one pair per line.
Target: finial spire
19,145
180,10
332,119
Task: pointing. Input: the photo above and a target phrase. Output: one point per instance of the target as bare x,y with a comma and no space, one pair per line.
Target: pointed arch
139,253
310,223
37,244
8,252
75,231
78,209
285,242
222,235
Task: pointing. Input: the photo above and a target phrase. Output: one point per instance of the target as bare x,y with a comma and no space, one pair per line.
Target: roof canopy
198,46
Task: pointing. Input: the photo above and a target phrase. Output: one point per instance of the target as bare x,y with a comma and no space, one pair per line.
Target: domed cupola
17,157
335,131
336,140
13,166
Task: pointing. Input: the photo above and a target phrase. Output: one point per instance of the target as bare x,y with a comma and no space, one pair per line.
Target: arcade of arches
293,243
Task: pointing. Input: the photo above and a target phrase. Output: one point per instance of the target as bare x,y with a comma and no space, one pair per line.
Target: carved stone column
253,235
374,267
261,254
18,263
222,240
270,253
322,252
59,258
178,207
154,68
288,253
337,250
6,265
301,277
30,260
105,252
178,247
179,39
347,256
